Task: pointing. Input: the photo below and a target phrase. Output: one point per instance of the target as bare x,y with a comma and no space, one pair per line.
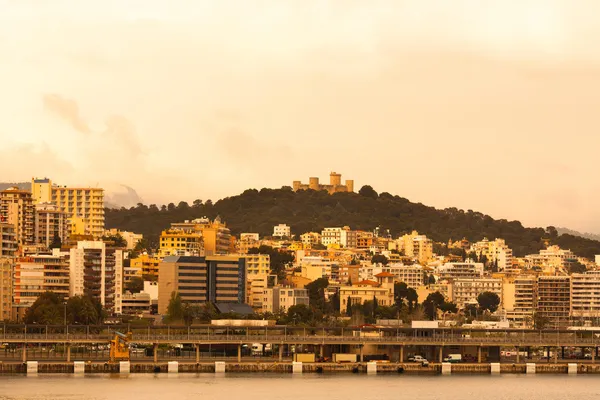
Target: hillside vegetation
259,210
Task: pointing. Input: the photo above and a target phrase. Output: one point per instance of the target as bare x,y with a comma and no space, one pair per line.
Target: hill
258,211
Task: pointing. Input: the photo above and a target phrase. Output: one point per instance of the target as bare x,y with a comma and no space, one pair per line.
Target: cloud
121,131
66,109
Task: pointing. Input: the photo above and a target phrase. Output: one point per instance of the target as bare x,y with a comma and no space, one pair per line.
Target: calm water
275,387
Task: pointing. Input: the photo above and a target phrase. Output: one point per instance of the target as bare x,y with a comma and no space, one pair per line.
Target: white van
453,358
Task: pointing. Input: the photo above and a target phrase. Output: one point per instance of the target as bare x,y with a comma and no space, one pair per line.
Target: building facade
97,271
34,275
280,299
282,230
16,208
50,222
585,296
198,280
6,279
553,300
465,291
84,207
456,270
8,240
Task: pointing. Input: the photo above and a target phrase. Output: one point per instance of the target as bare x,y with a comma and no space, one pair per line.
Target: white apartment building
280,299
97,271
465,290
344,237
518,298
455,270
282,230
550,259
495,251
412,275
585,295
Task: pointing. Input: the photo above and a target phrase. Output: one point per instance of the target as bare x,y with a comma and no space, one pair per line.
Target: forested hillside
259,210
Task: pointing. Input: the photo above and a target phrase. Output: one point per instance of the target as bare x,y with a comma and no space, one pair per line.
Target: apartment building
550,259
34,275
412,275
585,296
6,278
280,299
313,267
416,246
382,290
309,239
553,298
495,252
215,279
136,303
282,230
180,242
247,241
460,270
466,290
16,208
50,221
147,265
364,240
519,300
8,240
258,268
97,271
84,208
216,237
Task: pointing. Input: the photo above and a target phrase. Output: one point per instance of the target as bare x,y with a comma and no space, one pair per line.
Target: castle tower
350,185
335,179
313,183
296,185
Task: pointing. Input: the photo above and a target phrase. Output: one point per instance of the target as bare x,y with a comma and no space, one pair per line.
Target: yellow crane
119,347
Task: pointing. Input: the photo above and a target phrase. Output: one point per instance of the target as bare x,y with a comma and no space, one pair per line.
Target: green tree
316,293
379,259
300,314
576,268
82,310
433,303
56,242
368,191
448,307
431,280
488,301
135,285
47,309
540,322
279,259
115,240
412,299
174,309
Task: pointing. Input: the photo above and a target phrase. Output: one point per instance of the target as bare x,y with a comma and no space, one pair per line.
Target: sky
475,104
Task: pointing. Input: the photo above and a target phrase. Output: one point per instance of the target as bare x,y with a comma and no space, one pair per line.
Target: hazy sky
486,105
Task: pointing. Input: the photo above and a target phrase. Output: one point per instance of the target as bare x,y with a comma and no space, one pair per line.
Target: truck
344,357
453,358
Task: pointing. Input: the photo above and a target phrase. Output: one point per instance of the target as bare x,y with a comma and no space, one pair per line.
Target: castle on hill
335,184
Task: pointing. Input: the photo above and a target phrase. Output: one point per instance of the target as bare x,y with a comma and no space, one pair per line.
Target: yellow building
382,290
215,234
146,264
179,242
416,246
84,206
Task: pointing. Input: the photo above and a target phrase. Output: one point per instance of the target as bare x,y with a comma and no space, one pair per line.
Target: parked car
419,359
